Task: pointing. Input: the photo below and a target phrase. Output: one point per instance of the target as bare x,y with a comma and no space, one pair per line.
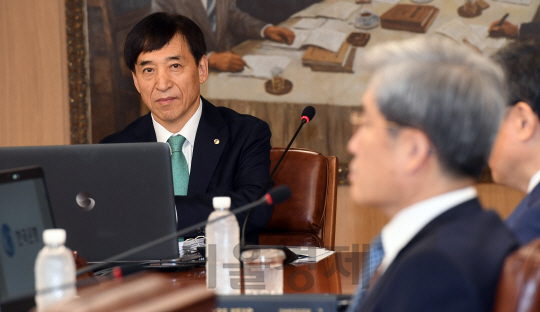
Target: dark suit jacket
529,29
232,25
525,219
452,264
237,167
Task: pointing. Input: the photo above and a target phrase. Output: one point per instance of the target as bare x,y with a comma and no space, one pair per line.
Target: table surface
336,274
344,88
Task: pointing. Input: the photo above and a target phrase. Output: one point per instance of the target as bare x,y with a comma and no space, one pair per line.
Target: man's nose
163,80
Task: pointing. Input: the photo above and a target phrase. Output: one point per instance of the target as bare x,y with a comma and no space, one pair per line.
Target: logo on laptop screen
7,241
85,201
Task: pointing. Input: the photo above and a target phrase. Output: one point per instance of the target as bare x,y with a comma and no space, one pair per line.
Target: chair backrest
308,218
519,284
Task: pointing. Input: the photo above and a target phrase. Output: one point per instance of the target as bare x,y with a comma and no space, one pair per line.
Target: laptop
109,198
24,214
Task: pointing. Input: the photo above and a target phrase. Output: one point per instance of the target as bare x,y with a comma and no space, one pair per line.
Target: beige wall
358,225
34,105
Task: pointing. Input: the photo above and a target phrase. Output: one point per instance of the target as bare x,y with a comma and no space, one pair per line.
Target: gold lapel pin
216,141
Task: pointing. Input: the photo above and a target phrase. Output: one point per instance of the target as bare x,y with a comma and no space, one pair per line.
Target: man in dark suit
427,122
224,26
515,160
226,153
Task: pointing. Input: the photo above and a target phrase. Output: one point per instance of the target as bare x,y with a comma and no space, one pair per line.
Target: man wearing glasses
429,116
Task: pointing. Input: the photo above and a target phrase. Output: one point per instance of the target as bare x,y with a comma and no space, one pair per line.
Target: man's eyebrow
170,58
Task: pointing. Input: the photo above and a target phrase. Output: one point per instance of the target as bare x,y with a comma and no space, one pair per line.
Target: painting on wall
319,65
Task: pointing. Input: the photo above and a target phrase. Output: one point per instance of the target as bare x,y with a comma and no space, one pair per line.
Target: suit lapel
144,131
531,200
467,208
206,153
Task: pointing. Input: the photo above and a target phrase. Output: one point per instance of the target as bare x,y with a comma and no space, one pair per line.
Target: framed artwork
104,100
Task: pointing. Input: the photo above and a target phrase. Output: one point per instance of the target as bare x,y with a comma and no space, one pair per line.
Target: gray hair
451,93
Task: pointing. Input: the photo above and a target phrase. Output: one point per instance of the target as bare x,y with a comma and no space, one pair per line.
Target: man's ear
416,149
524,121
203,69
136,81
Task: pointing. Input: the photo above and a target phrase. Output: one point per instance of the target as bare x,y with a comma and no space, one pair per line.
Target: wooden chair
308,218
519,284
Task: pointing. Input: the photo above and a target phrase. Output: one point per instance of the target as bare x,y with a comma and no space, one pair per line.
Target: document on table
328,39
309,23
340,10
387,1
476,35
310,254
522,2
300,36
262,65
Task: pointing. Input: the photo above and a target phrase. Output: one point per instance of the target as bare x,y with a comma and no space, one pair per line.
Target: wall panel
34,105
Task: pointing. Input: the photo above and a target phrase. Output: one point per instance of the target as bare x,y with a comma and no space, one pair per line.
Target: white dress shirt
535,179
189,131
409,221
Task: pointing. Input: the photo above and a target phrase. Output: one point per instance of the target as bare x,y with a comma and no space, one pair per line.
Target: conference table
337,274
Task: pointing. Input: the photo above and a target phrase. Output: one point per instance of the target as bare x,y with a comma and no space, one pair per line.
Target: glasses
358,120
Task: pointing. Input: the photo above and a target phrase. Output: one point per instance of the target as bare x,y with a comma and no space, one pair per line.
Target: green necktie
179,165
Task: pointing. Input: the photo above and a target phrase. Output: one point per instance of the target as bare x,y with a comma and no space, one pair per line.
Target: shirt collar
533,182
409,221
189,131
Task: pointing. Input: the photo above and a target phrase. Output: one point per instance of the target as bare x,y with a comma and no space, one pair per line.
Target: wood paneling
358,225
34,106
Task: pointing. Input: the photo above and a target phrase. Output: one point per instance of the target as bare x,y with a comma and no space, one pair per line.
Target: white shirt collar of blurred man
409,221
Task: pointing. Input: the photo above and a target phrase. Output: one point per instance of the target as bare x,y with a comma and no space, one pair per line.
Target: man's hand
226,61
507,29
279,34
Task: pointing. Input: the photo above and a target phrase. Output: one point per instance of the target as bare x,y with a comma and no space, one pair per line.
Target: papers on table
476,35
310,254
328,39
309,23
387,1
300,36
522,2
262,65
340,10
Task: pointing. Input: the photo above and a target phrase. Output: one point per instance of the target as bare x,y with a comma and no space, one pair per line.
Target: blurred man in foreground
515,160
427,122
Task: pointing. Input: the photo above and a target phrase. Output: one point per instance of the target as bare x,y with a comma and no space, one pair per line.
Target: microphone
274,196
307,115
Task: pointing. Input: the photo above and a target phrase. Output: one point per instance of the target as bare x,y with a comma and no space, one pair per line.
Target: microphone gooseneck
307,115
275,195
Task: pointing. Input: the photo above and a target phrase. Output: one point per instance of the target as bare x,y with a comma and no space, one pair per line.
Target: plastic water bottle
54,270
222,237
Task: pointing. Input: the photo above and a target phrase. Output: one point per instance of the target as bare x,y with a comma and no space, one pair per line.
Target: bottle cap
222,202
54,236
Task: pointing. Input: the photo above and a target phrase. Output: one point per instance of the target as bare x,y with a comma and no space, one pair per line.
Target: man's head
156,30
516,153
430,113
166,54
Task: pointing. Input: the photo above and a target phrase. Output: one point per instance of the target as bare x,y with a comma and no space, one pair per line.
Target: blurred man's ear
524,121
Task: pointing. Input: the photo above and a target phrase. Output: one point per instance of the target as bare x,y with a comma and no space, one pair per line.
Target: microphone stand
243,241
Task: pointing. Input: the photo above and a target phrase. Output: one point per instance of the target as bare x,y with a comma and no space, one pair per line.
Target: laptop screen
24,214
